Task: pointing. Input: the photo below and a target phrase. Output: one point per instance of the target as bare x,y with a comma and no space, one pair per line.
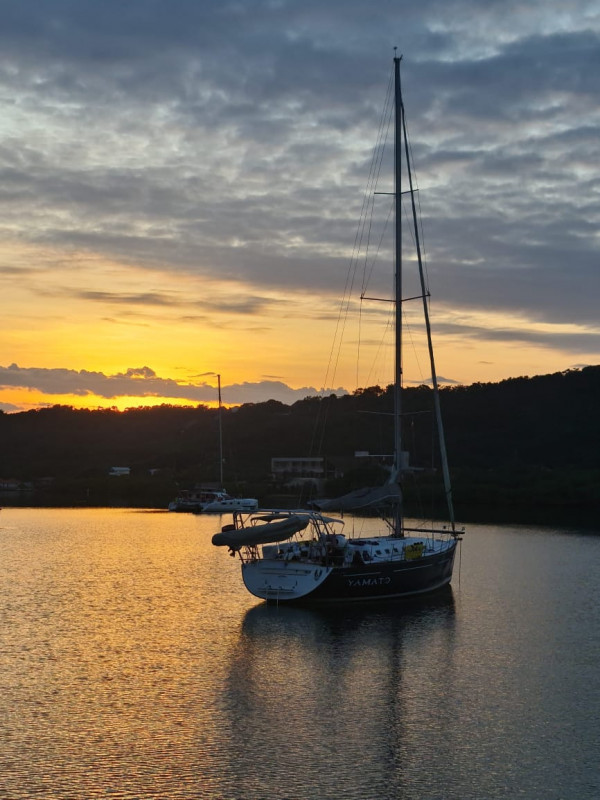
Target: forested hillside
521,441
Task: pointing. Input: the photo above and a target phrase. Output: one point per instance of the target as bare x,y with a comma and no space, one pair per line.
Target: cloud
574,341
9,407
144,382
144,298
218,302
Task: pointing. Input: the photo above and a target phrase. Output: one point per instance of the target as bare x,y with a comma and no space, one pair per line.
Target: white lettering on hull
354,583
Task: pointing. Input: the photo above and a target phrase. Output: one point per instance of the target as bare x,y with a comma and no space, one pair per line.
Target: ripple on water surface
134,665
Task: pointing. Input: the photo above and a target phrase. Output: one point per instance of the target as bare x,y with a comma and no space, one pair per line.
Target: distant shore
563,514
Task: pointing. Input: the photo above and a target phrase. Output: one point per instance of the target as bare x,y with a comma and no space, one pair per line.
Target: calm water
133,664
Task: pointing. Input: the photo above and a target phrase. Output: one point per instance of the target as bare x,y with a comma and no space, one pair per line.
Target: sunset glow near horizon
167,218
273,354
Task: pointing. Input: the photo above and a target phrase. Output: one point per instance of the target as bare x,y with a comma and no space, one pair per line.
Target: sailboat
304,556
204,499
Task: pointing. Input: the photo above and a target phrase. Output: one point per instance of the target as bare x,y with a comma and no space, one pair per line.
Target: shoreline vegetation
521,450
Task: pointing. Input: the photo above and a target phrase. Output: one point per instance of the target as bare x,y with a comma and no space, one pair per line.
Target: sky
181,181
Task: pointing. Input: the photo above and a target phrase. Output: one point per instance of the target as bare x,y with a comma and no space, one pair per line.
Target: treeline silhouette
523,443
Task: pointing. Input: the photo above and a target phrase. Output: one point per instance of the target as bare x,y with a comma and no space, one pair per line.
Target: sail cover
371,497
261,534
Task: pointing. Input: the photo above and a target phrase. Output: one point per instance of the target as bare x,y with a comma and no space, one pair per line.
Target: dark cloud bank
144,382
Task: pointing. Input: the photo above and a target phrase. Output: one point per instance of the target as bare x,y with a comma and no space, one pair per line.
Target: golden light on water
135,663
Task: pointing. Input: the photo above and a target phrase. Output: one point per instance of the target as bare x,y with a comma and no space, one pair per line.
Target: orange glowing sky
167,217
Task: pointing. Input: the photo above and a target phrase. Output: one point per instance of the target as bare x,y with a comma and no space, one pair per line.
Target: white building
298,471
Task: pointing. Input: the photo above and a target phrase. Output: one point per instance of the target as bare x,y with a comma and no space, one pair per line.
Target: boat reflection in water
336,698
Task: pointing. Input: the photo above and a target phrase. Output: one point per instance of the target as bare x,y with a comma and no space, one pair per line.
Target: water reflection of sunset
133,657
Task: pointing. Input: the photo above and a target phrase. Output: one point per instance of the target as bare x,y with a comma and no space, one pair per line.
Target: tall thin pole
398,286
220,434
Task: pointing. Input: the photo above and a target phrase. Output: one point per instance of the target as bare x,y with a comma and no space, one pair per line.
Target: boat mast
396,474
220,434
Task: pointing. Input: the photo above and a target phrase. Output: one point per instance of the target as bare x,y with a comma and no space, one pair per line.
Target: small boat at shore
205,500
211,500
224,503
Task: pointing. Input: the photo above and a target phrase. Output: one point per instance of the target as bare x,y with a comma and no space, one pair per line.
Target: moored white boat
225,503
210,500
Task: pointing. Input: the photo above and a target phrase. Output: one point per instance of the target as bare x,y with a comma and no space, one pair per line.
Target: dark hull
381,581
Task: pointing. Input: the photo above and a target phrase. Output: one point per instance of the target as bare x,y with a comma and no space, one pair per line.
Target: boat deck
343,552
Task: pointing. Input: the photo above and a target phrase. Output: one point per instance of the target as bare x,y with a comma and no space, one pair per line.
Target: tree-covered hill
519,441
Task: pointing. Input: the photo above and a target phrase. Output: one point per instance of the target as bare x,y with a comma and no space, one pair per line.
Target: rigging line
420,214
384,335
423,245
358,345
344,307
365,286
436,397
406,325
369,262
367,279
343,311
375,167
366,272
372,178
408,216
380,149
